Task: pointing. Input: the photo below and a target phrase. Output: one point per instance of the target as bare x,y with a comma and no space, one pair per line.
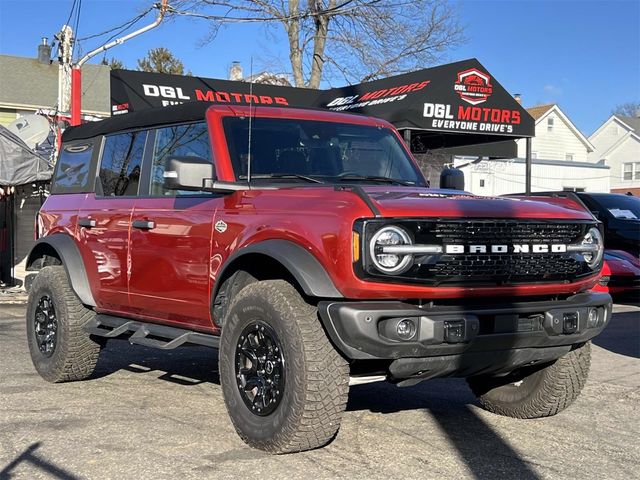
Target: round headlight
593,237
390,263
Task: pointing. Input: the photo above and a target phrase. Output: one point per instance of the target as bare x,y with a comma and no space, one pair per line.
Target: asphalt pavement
149,414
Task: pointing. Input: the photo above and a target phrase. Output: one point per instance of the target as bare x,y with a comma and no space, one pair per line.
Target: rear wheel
536,393
284,384
60,349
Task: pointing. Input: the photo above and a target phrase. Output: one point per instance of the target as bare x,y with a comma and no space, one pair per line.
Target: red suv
305,247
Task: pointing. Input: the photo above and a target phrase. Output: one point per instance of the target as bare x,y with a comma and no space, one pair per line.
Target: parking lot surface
154,414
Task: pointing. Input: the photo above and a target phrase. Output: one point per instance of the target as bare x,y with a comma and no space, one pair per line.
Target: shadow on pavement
622,336
29,456
447,401
187,365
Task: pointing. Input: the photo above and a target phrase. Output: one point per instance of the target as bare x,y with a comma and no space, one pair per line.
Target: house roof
28,84
633,122
628,136
539,110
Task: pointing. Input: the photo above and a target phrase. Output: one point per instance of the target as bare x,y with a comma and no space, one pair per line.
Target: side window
72,168
180,141
121,162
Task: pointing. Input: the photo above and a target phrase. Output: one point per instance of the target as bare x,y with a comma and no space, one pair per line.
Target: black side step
167,338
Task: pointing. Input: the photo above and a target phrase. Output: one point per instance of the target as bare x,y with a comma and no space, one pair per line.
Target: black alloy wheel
46,326
260,370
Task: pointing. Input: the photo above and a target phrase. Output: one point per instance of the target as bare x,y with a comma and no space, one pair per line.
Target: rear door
171,234
105,217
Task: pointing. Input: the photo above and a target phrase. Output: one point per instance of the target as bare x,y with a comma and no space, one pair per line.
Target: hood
421,202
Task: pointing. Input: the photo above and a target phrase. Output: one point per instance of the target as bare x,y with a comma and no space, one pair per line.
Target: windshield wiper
283,175
353,176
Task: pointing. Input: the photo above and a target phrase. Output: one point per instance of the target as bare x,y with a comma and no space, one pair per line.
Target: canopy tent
445,108
20,165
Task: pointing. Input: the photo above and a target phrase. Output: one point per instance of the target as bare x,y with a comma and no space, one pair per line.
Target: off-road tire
536,393
316,376
75,354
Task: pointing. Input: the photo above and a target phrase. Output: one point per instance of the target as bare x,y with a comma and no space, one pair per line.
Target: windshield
287,149
624,207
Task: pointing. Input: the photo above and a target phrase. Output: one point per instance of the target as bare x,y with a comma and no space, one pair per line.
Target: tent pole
407,138
12,239
528,169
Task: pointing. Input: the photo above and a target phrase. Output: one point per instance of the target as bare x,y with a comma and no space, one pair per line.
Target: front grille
509,231
503,266
486,268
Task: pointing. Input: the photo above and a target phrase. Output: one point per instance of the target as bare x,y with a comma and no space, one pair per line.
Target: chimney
518,98
235,72
44,52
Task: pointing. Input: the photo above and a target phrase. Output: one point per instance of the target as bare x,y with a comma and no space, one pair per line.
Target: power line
299,16
123,26
73,7
77,26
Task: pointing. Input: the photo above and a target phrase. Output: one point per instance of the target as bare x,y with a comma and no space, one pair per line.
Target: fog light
569,323
406,329
592,318
454,331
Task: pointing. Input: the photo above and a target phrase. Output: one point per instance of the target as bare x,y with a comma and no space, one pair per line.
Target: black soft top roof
152,117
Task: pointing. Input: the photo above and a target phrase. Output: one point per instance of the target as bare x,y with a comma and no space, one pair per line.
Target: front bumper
464,340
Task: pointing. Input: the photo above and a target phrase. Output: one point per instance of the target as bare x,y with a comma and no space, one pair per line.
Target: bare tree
349,40
629,109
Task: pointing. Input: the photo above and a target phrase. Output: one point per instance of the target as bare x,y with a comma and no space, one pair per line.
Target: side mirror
187,173
452,179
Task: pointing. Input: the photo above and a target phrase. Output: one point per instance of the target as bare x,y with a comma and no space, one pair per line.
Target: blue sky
583,55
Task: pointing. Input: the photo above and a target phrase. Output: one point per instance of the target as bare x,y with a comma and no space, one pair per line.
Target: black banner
460,97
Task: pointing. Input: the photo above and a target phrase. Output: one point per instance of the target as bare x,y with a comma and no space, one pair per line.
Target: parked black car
619,213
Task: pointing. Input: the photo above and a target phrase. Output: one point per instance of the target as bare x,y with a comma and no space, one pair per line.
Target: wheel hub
260,368
46,326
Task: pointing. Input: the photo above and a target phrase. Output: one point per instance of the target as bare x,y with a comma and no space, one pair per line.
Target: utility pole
65,56
76,73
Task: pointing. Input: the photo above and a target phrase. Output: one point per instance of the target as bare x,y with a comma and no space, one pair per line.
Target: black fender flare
303,266
67,250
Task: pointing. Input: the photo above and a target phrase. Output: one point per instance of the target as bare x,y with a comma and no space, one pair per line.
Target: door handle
87,222
144,224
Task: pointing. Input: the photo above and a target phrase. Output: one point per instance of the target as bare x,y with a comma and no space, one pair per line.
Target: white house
557,138
501,176
560,154
617,144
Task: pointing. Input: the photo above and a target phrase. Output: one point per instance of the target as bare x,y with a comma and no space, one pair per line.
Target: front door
170,240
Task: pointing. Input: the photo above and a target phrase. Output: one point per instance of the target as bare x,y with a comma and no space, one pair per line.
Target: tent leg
527,188
407,138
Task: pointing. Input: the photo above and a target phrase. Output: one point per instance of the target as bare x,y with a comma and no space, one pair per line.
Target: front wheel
541,392
284,384
60,348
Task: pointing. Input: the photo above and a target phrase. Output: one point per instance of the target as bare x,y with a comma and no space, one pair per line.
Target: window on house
120,164
627,171
636,171
550,124
569,156
482,183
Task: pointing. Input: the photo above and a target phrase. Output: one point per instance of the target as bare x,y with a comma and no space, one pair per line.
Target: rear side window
190,140
72,171
121,163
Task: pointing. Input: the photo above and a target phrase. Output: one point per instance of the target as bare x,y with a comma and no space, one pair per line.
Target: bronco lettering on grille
513,248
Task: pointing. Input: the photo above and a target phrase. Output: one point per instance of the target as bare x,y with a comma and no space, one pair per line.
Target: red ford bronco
306,248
